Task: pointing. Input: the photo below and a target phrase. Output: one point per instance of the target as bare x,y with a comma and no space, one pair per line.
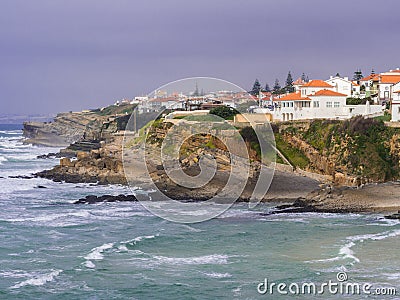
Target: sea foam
38,280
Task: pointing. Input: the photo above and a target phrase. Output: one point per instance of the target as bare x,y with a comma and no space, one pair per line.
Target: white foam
218,275
392,276
122,248
97,253
14,274
17,131
375,237
346,252
190,228
214,259
89,264
139,239
39,280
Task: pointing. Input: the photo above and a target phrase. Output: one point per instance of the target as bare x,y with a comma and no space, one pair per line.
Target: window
328,104
399,110
336,104
316,103
291,104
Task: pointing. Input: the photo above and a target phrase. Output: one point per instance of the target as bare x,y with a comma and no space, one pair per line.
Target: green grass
293,155
385,118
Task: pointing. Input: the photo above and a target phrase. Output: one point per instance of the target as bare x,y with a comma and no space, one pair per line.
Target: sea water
53,249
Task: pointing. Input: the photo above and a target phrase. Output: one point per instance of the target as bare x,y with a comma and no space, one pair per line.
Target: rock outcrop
72,127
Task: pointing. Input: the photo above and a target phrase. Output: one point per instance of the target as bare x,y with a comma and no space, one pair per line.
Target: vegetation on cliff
363,148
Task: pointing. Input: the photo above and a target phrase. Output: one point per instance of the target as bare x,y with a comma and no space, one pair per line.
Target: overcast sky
74,54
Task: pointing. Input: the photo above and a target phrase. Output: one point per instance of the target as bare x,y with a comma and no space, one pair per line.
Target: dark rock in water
91,199
45,156
301,205
62,153
394,216
41,187
22,177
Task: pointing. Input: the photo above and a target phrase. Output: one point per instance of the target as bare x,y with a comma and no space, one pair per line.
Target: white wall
327,109
396,107
385,91
341,85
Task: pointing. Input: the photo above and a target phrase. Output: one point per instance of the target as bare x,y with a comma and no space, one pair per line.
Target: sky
63,55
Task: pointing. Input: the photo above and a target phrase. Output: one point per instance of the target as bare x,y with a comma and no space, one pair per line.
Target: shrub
224,112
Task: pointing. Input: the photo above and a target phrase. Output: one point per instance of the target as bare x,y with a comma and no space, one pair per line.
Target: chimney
346,78
331,77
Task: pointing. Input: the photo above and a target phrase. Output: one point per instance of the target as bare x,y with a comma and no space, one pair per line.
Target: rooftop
317,83
328,93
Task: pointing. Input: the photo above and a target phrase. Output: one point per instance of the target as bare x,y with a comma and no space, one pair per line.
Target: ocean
51,248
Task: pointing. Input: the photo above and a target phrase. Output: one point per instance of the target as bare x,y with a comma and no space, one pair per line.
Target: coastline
300,191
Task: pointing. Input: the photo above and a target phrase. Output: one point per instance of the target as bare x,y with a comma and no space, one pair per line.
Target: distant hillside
67,128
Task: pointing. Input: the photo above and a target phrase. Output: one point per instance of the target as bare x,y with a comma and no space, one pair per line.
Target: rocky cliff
67,128
352,152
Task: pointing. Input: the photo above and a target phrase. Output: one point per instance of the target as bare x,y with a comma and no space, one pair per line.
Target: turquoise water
53,249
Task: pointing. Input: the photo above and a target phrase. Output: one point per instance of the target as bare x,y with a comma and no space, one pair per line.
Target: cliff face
103,165
67,128
352,152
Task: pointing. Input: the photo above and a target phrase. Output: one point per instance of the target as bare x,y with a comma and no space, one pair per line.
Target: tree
289,83
357,75
256,88
224,112
196,91
267,88
277,87
337,74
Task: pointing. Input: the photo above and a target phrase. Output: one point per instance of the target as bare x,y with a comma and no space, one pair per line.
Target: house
313,86
355,89
322,104
341,85
369,85
386,81
396,104
156,104
298,83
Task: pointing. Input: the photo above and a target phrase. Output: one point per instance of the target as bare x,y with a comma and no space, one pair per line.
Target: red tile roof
328,93
374,77
317,83
292,97
397,92
299,81
389,78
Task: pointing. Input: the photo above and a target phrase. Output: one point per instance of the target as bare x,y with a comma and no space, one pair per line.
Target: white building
341,85
386,81
322,104
396,105
313,86
355,90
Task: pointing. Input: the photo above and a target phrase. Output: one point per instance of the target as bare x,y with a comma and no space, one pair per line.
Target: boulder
66,162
